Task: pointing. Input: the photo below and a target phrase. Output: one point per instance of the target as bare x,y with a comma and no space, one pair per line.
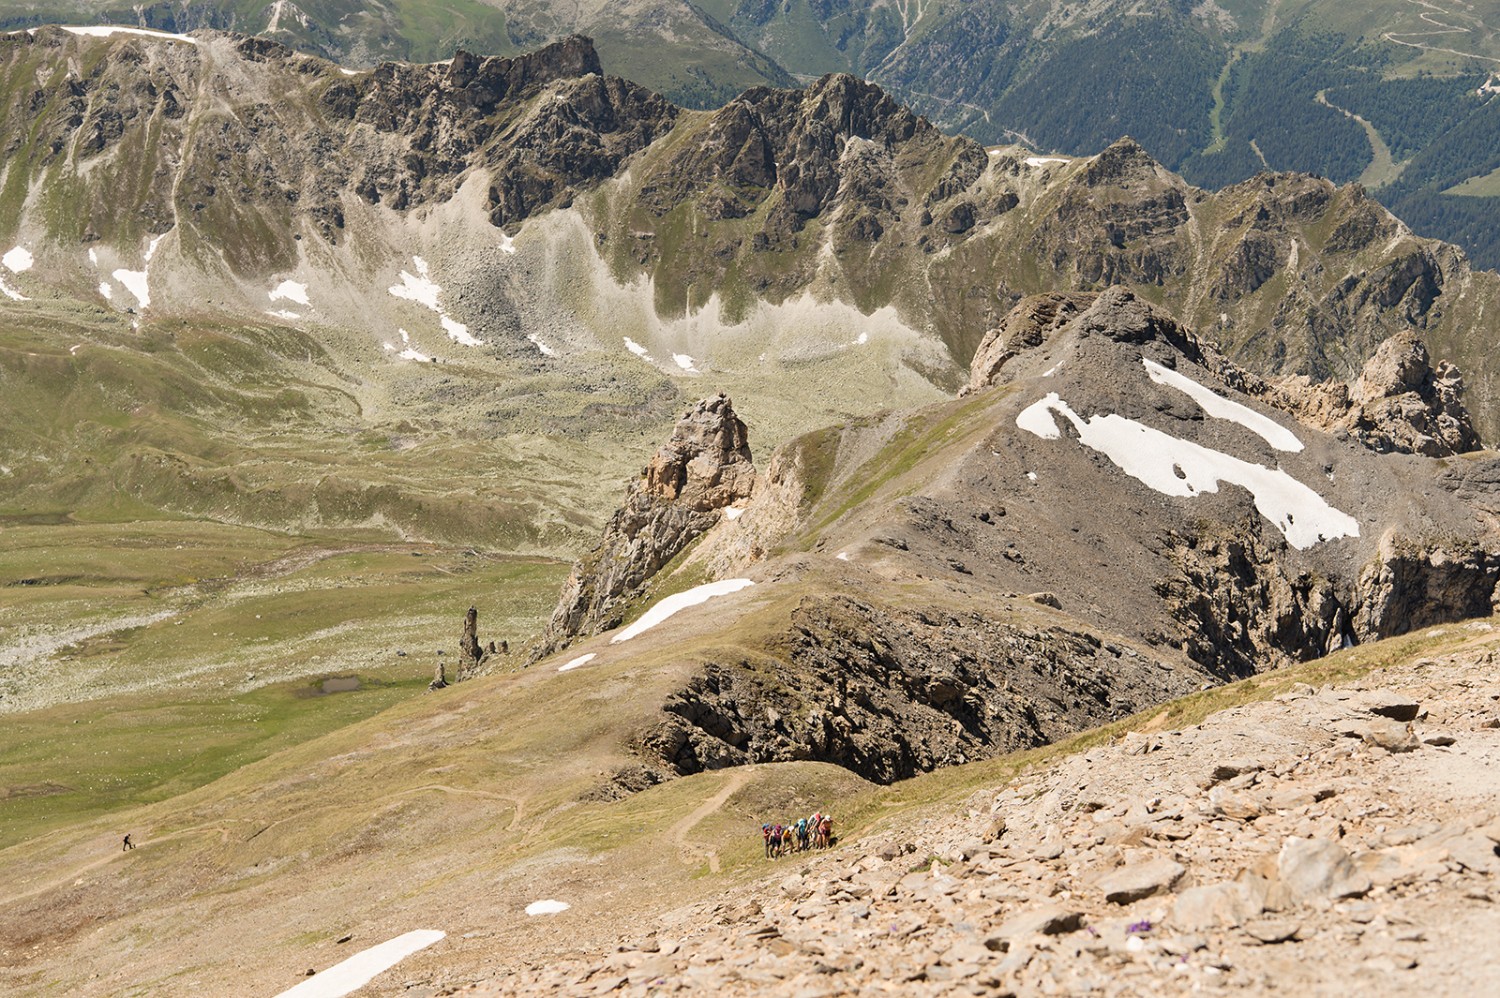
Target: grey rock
1309,869
1047,920
1214,906
1140,880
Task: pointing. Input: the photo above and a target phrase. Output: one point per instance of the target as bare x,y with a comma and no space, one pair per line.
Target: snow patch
544,348
548,907
1031,475
1219,407
1037,417
573,664
348,72
17,260
678,602
106,289
685,362
862,339
106,30
1178,467
151,246
507,244
93,256
636,348
135,282
458,332
422,289
733,512
354,973
842,556
1044,160
11,292
282,313
290,291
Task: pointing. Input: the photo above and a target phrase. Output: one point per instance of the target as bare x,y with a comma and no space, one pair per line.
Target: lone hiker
127,844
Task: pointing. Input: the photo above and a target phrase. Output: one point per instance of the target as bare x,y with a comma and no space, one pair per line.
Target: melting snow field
17,260
1178,467
678,602
548,907
135,282
544,348
580,660
1044,160
685,362
422,289
290,291
361,968
636,348
411,352
1220,407
106,30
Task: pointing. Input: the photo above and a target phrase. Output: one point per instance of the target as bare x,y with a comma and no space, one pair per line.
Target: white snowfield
548,907
678,602
136,283
17,260
292,291
422,289
1044,160
106,30
1178,467
1219,407
572,664
361,968
545,350
685,362
636,348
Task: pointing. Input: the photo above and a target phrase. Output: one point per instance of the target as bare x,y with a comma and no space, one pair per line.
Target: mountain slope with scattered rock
1111,516
1334,836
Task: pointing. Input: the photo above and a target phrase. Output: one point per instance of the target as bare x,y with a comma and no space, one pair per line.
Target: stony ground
1334,840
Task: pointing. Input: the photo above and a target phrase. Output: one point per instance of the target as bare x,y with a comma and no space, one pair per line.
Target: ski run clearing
361,968
678,602
1178,467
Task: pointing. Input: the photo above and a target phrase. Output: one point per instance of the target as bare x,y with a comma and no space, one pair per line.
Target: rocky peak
1399,403
1121,163
703,462
703,468
1116,313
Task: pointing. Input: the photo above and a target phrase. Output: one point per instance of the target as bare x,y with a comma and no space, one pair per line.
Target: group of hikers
799,835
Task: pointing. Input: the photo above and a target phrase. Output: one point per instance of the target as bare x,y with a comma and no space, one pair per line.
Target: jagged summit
702,470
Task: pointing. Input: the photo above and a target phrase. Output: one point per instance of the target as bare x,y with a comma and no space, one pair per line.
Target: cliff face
702,470
1114,514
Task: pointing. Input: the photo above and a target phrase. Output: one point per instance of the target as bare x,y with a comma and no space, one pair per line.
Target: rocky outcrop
1399,403
704,468
470,653
889,691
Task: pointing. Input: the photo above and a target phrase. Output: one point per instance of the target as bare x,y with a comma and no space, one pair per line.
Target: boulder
1140,880
1315,870
1214,906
